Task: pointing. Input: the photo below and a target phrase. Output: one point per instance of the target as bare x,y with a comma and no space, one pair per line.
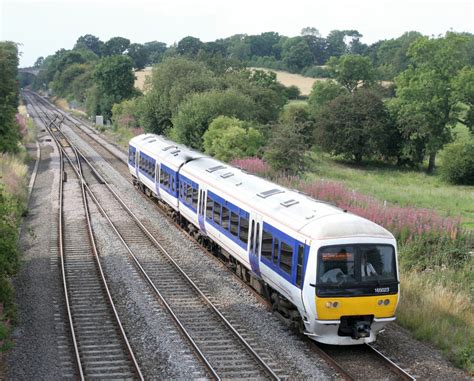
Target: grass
398,186
437,312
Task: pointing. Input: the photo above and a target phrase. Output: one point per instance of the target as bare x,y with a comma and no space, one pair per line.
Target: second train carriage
332,273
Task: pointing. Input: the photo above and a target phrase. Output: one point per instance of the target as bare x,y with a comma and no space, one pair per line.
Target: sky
43,27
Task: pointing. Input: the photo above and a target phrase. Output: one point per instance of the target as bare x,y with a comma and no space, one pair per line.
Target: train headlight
386,302
332,304
380,302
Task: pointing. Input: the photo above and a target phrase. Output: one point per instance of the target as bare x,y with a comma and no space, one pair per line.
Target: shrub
316,72
458,163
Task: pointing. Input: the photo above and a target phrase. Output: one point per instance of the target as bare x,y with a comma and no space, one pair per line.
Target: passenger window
217,213
225,218
252,231
267,241
189,193
195,197
210,204
299,265
244,229
286,257
234,224
276,250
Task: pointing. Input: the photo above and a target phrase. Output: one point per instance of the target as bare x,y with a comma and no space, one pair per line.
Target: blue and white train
330,273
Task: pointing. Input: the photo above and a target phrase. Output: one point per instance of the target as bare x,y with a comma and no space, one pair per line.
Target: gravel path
35,353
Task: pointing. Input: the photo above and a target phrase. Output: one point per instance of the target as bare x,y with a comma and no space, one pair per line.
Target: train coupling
356,327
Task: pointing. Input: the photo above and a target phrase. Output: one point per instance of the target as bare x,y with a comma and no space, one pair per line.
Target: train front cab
356,291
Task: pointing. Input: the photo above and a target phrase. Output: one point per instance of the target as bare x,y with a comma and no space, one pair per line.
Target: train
328,273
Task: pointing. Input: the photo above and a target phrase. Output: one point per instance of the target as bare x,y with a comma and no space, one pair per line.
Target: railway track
217,342
100,346
353,363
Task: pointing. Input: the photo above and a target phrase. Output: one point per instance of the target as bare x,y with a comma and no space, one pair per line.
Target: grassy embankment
13,195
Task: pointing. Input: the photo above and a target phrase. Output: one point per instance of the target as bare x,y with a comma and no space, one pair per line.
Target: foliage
230,138
287,147
253,165
197,112
139,55
189,46
355,126
391,57
127,114
90,42
426,105
322,93
463,85
12,204
352,71
115,80
116,46
173,80
458,163
296,54
9,133
316,72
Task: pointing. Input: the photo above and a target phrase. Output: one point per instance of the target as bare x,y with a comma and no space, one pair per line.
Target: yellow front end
381,306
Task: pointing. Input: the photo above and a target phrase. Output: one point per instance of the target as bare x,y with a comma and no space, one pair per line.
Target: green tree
296,54
352,71
322,93
155,51
90,42
139,55
336,42
458,163
198,111
230,138
9,130
463,85
355,126
116,46
189,46
427,101
172,81
287,147
115,80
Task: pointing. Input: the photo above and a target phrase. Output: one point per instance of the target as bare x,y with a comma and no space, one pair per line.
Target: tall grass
438,313
12,205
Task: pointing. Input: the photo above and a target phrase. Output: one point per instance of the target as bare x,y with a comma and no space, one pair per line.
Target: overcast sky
43,27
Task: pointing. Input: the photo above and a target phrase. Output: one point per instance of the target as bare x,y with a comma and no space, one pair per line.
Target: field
140,77
303,83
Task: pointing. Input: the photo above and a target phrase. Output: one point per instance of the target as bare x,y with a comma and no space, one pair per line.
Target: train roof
297,211
165,150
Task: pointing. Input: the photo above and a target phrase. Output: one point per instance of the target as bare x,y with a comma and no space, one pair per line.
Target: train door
255,242
157,178
201,209
137,162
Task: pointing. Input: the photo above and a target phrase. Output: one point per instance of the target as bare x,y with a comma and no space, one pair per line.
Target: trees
196,113
230,138
189,46
296,54
355,125
287,147
90,42
115,81
458,163
427,99
9,130
323,92
352,70
116,46
139,55
172,81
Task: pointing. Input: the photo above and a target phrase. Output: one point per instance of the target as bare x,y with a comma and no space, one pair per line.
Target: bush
458,163
316,72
